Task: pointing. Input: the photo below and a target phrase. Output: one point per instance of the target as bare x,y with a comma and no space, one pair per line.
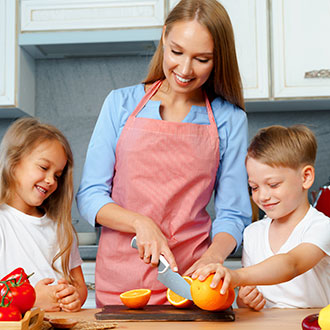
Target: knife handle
162,265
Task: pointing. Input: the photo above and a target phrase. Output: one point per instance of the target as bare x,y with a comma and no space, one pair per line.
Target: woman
158,151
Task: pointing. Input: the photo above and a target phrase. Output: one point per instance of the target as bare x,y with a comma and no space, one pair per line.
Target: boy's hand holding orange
209,298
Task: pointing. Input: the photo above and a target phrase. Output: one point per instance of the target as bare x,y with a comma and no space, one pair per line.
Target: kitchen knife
170,279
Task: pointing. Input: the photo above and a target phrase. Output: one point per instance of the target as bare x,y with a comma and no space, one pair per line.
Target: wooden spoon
63,323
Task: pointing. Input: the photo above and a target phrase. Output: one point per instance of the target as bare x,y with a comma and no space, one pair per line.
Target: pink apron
166,171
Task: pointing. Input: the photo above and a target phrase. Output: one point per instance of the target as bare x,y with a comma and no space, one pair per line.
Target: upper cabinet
7,52
57,28
301,48
282,45
250,24
16,67
127,21
55,15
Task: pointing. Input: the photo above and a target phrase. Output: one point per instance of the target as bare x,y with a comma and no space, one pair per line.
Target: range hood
49,45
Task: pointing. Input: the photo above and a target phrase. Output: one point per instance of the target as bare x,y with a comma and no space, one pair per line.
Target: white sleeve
75,259
318,233
246,251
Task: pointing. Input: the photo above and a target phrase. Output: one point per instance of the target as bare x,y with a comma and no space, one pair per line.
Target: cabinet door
16,68
250,23
7,53
57,15
301,48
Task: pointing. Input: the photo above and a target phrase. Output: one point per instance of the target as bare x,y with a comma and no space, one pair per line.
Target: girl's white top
31,243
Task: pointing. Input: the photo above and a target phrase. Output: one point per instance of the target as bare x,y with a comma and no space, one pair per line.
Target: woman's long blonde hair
20,139
225,80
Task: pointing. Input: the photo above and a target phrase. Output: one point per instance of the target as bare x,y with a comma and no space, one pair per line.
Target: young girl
36,231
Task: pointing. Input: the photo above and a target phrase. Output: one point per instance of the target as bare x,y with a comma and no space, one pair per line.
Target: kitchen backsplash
70,93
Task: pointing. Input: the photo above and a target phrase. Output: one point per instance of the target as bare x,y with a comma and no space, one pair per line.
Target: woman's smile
188,56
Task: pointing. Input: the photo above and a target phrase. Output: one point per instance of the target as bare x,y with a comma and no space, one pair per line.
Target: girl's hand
46,295
250,296
152,242
219,272
68,296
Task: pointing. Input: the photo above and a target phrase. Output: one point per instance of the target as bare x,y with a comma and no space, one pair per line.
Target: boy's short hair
280,146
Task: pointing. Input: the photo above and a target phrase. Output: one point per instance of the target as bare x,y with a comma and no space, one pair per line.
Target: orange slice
135,299
176,300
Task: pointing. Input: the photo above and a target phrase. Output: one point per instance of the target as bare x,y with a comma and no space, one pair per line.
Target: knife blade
168,277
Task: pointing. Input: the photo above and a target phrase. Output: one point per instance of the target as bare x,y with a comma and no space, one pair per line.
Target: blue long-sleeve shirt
231,199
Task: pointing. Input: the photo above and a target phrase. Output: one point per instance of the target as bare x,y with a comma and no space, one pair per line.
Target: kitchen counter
246,319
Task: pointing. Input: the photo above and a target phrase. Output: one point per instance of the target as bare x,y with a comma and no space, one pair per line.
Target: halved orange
137,298
177,300
206,297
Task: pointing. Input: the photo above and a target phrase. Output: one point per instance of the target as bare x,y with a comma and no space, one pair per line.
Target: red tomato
10,313
17,274
23,296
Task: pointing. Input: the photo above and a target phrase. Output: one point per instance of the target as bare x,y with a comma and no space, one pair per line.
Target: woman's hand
203,265
213,258
152,242
68,296
249,296
46,295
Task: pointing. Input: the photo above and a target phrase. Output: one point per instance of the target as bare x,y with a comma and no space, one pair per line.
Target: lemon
324,318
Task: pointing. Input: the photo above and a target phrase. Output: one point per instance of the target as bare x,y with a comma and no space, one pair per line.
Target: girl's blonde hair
20,139
280,146
225,80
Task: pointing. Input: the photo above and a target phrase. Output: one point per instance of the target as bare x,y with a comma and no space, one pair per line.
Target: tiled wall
70,93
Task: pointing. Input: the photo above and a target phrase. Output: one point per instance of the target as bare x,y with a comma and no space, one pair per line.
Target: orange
206,297
230,299
137,298
177,300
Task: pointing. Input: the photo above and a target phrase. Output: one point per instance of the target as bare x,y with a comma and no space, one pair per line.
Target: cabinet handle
323,73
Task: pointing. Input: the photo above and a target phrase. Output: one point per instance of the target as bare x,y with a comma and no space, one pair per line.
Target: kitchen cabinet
57,15
282,47
250,24
301,48
17,84
82,20
58,28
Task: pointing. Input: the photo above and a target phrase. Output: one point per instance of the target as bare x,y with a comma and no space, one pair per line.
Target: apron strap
152,91
148,95
210,112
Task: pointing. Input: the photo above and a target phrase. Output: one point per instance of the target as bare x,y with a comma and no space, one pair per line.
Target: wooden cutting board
163,313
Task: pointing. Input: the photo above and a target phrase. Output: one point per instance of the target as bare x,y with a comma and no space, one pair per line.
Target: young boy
290,247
